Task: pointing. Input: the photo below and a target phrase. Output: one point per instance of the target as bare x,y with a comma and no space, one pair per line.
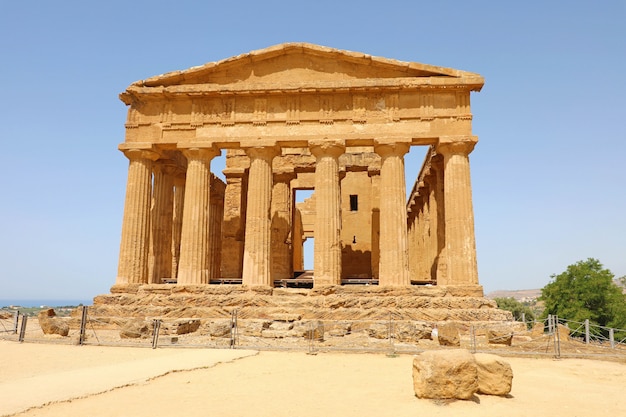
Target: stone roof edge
298,47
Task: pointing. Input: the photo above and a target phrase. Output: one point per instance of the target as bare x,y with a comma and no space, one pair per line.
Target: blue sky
548,172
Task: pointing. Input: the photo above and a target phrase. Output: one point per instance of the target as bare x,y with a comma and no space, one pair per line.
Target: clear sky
548,173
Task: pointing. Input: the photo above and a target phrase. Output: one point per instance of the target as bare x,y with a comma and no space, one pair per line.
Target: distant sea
43,302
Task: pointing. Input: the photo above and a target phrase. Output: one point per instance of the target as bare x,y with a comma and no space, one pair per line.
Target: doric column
162,206
282,267
459,213
194,265
216,215
394,259
440,267
133,260
177,221
233,226
256,253
327,246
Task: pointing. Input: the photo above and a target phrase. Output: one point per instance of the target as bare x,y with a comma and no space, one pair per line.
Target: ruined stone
501,335
495,375
219,328
339,329
412,332
135,329
448,334
187,326
50,324
379,331
445,374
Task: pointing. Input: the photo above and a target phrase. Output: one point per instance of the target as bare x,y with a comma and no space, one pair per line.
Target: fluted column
133,260
177,221
257,245
327,228
216,215
459,214
194,265
163,203
440,268
282,260
394,259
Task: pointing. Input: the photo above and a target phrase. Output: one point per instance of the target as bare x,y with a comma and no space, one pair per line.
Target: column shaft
394,259
282,259
194,266
256,254
163,194
459,213
133,260
177,222
327,229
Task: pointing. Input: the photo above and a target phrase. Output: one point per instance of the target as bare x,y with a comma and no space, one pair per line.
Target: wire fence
552,337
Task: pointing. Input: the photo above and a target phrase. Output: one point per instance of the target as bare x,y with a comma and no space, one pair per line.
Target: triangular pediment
299,63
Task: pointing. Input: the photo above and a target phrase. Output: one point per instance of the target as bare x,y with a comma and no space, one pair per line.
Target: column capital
284,176
262,152
136,153
385,148
456,144
324,147
201,153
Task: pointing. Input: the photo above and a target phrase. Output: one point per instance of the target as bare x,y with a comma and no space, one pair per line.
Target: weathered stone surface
135,329
379,331
187,326
412,332
448,334
339,329
537,330
564,332
445,374
495,376
219,328
50,324
501,335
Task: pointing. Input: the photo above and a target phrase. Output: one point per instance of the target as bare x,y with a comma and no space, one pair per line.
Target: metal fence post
155,336
587,331
612,338
233,328
16,321
83,324
557,337
524,318
23,328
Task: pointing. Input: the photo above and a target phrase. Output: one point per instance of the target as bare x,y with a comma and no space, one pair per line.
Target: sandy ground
62,380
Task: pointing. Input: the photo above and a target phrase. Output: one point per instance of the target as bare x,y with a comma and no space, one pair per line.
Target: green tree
515,307
586,291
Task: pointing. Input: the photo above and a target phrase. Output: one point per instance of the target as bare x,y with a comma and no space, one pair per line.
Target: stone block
50,324
412,332
378,330
187,326
219,328
499,335
537,330
135,329
448,334
339,329
281,325
445,374
495,376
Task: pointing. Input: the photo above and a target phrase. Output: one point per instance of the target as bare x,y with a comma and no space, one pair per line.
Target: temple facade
299,117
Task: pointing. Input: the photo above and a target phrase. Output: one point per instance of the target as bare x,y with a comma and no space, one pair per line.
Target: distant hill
519,295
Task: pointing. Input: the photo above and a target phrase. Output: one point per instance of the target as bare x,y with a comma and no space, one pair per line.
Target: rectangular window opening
354,202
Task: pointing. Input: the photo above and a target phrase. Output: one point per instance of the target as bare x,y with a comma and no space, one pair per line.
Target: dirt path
288,384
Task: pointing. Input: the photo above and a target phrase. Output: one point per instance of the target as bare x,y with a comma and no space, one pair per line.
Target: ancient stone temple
299,117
